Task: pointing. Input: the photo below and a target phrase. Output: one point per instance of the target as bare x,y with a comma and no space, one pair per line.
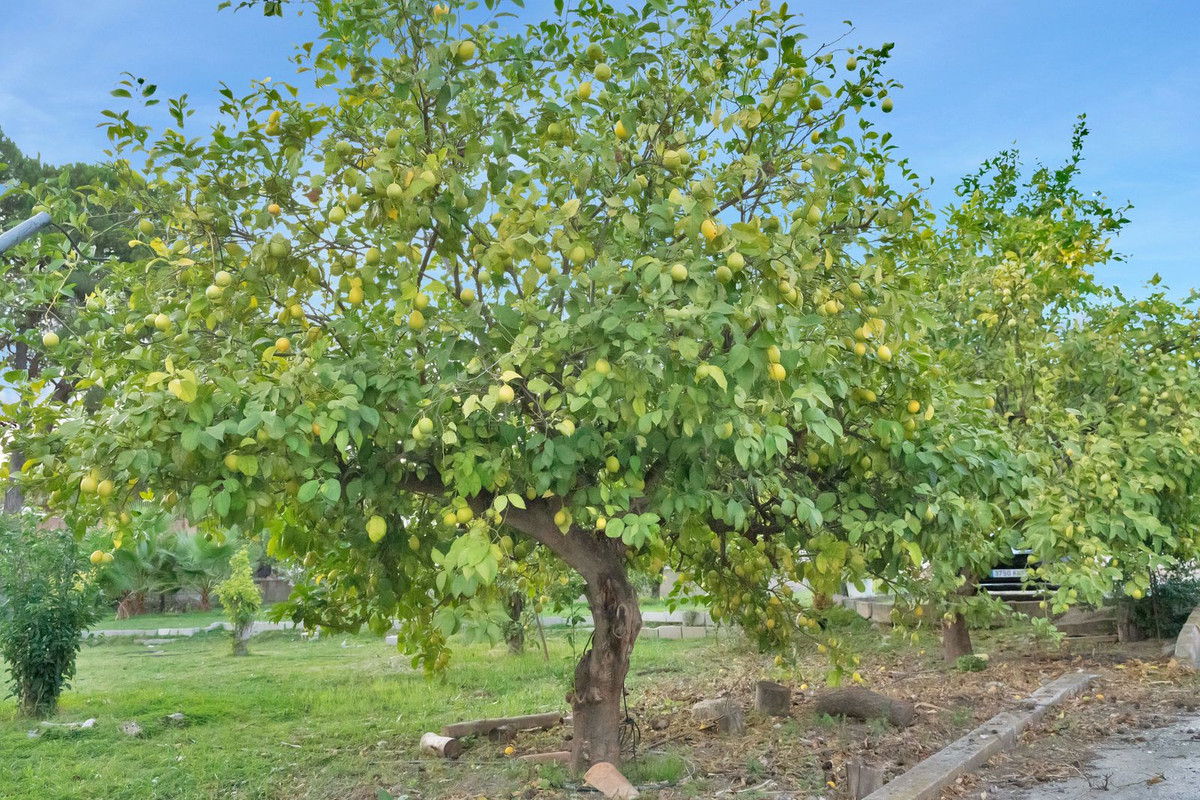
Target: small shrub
47,599
970,663
240,598
1045,634
1172,598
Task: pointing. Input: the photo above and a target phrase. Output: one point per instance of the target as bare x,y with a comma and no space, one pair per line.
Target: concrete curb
257,627
926,780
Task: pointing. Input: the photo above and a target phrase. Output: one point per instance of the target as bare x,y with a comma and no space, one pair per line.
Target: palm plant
201,563
140,569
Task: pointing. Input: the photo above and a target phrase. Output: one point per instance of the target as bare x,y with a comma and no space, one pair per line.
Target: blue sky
979,75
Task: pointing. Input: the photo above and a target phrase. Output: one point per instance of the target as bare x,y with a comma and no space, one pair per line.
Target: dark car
1009,579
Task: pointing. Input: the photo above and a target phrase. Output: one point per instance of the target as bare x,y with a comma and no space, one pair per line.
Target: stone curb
926,780
257,627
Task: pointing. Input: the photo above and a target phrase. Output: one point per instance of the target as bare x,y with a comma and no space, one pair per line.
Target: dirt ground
805,755
1140,690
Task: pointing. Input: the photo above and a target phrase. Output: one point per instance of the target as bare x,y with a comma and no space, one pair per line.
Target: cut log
609,781
865,705
862,778
557,757
443,746
724,712
479,727
773,699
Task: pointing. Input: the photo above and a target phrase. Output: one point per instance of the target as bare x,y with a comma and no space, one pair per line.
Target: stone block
1187,646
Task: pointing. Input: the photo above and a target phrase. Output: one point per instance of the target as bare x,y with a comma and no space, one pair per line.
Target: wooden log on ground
865,705
478,727
443,746
773,699
609,781
862,778
557,757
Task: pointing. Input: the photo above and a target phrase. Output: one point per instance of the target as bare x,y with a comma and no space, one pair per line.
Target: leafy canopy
636,272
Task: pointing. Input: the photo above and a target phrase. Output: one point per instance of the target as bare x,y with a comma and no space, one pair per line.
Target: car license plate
1008,573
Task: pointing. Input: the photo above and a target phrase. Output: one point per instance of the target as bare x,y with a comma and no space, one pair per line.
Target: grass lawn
338,717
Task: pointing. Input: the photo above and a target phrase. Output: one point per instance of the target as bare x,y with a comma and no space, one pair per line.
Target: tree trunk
14,500
597,699
240,637
29,700
956,639
133,604
516,630
205,602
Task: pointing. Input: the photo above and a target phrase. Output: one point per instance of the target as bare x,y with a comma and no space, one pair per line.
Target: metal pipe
16,235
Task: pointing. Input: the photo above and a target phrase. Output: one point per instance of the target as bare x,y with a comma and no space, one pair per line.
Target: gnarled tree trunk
596,700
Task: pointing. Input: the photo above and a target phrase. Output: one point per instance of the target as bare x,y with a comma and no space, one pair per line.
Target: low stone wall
273,589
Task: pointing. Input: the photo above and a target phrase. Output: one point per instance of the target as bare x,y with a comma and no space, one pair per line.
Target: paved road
1164,767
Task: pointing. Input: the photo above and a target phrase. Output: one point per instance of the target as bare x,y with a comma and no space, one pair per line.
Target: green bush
240,598
47,599
970,663
1172,598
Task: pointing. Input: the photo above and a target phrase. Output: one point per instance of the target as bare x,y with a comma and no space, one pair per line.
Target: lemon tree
1074,395
628,287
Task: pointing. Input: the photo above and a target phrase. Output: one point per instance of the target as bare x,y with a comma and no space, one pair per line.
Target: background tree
1122,503
1083,389
240,598
140,569
203,561
45,280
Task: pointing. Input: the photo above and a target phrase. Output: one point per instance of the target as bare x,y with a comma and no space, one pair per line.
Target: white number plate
1008,573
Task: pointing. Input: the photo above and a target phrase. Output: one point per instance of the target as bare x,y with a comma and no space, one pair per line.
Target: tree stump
443,746
724,712
865,705
773,699
862,778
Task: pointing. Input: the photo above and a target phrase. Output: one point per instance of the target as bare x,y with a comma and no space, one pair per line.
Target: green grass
337,717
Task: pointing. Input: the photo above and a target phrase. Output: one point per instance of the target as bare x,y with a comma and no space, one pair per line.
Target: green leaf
308,491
